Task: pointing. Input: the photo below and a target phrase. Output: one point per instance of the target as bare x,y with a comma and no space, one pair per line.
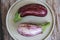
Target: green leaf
17,17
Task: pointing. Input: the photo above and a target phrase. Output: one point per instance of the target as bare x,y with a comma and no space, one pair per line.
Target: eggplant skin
29,30
33,10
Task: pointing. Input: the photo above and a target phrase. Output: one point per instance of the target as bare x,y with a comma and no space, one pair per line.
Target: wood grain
55,4
5,5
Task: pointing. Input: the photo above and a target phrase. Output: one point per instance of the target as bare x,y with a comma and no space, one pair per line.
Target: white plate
12,27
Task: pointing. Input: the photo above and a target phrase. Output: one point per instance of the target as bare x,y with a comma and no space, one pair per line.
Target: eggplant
29,30
33,10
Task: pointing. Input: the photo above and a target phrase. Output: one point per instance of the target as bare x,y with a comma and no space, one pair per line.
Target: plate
12,27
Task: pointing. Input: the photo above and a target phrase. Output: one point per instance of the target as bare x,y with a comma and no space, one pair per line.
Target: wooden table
55,4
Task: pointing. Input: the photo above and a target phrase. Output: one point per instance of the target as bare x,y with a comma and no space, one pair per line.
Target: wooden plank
5,4
1,31
56,7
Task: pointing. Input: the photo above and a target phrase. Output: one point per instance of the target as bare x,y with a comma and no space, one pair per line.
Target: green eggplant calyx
45,26
17,17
